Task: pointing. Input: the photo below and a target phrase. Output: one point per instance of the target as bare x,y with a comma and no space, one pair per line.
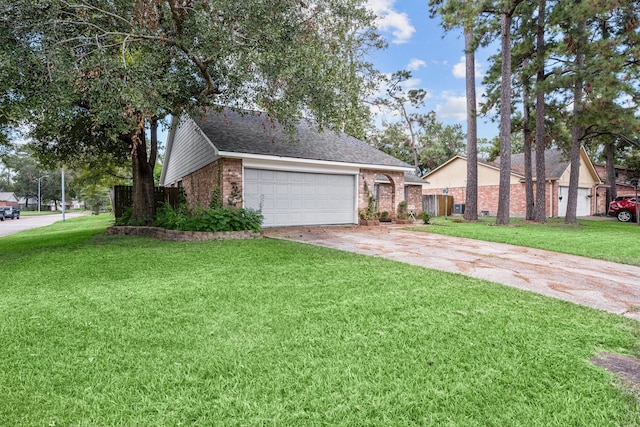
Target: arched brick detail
389,194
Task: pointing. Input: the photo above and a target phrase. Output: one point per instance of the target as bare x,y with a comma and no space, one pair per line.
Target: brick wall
226,175
223,174
232,182
601,201
386,198
389,195
414,198
488,198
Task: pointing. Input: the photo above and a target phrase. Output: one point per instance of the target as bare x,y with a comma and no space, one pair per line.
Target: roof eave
236,155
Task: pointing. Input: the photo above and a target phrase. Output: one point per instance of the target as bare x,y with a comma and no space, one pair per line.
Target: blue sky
435,59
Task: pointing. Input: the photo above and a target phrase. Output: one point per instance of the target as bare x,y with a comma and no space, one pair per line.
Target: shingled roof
255,133
555,163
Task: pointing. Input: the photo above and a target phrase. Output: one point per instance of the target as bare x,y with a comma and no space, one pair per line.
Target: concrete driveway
599,284
11,226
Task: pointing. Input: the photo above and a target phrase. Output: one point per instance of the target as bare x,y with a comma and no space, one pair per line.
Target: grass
100,330
601,239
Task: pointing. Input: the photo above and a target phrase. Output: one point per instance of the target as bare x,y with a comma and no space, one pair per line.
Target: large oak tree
98,77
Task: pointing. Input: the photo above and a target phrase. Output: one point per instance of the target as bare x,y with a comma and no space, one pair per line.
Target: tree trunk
144,207
528,137
412,135
541,174
504,190
471,199
576,130
612,191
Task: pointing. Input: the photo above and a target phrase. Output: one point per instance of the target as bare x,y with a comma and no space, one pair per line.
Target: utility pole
63,202
39,199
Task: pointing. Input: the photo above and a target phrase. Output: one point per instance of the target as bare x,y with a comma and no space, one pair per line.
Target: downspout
550,200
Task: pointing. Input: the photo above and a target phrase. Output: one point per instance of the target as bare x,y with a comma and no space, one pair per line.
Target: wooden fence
123,198
437,204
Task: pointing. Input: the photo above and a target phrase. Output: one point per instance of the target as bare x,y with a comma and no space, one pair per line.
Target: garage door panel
297,198
583,204
296,189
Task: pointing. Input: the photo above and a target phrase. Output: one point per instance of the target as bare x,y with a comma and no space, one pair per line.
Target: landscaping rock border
179,236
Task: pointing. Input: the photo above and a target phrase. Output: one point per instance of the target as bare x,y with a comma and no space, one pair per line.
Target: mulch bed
627,367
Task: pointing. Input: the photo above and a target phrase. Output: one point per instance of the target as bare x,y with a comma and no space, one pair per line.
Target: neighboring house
452,176
315,178
56,205
623,184
27,203
8,199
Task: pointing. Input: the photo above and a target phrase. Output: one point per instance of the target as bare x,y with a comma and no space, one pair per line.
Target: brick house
313,178
8,199
452,176
624,185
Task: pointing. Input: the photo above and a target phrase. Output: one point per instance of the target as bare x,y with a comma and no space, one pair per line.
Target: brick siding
389,194
223,174
226,174
488,198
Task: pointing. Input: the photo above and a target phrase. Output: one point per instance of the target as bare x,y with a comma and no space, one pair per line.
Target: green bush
403,213
426,217
125,218
170,218
221,218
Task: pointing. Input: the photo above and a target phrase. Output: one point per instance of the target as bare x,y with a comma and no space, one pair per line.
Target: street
11,226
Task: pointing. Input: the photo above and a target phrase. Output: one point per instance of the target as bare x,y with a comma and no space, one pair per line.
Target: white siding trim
283,165
265,159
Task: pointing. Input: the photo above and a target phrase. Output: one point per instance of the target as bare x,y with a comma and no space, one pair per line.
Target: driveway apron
599,284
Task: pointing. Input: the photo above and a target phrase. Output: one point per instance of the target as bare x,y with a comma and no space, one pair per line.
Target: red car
625,209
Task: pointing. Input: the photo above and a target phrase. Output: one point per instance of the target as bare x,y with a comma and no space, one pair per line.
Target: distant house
452,176
313,178
8,199
623,184
27,203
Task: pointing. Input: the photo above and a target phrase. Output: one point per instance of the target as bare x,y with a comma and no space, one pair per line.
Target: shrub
170,218
426,217
371,212
221,218
125,218
403,213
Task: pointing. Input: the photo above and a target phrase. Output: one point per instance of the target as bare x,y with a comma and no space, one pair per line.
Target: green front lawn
601,239
100,330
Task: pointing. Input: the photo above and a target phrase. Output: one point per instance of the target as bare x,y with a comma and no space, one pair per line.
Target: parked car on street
10,212
625,209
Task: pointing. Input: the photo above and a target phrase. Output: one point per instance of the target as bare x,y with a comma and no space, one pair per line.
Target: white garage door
583,206
297,198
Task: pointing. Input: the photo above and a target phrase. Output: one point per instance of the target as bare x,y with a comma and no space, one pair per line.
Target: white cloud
392,21
412,84
459,69
454,107
416,64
